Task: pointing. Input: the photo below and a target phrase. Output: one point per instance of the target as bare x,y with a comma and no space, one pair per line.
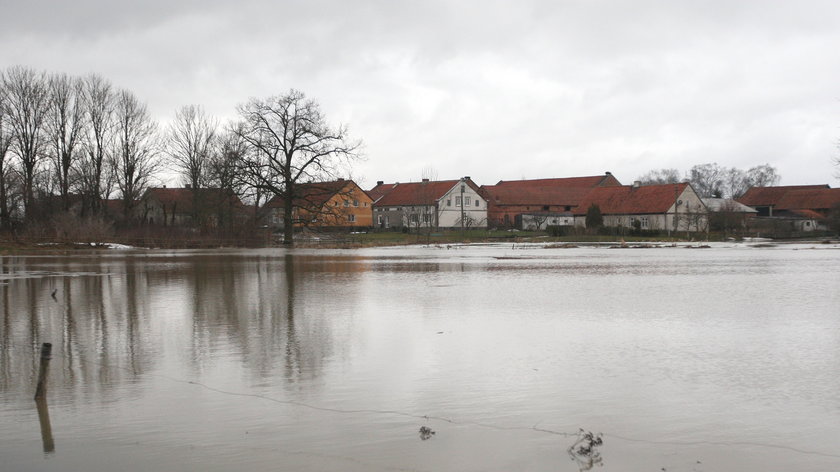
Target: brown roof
808,214
809,199
182,198
767,196
380,190
626,199
420,193
562,191
313,194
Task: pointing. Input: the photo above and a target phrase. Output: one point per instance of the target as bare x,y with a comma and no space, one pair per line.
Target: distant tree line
80,141
713,180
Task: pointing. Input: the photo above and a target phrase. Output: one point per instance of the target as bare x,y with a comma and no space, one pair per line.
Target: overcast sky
491,89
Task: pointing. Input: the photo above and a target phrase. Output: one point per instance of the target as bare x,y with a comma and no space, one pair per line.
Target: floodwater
725,358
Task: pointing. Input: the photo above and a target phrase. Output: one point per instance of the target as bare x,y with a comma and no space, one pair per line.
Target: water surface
689,359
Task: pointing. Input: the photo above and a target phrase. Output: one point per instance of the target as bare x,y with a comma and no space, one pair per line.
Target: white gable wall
474,206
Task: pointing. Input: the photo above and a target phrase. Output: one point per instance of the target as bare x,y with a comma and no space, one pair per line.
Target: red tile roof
313,194
808,214
766,196
419,193
588,181
809,199
379,191
625,200
562,191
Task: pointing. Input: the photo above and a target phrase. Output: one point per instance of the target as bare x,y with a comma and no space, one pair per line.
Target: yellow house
337,204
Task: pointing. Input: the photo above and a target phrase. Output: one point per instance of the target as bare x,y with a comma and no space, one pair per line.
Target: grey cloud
493,89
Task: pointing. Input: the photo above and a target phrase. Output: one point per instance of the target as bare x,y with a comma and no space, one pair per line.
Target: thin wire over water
534,428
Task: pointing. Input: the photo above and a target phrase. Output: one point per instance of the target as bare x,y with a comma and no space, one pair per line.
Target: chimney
379,182
188,186
607,173
341,179
425,180
466,177
637,183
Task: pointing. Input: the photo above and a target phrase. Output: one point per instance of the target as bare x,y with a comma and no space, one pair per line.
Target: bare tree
660,176
65,126
292,144
836,160
190,143
27,105
134,158
764,175
225,160
223,173
5,164
95,177
733,183
707,179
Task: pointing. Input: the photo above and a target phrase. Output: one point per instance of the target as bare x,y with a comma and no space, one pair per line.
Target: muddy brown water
725,358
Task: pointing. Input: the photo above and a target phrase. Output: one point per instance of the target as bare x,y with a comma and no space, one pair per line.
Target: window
449,202
414,218
379,220
355,203
467,201
457,201
346,203
351,218
426,218
645,222
477,202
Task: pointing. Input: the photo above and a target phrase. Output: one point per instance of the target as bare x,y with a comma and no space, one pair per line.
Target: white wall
449,212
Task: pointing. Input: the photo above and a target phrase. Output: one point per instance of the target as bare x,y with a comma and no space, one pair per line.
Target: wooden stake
46,355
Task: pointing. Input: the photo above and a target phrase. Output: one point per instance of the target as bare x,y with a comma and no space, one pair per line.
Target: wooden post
46,355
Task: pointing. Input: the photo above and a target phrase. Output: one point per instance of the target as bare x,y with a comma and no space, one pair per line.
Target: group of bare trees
64,136
66,139
713,180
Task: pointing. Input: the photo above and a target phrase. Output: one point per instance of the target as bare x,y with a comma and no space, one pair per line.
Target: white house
429,204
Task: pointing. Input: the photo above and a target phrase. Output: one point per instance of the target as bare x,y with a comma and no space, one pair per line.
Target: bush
558,231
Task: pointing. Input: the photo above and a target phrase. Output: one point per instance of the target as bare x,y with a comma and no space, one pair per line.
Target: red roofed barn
674,207
509,200
189,207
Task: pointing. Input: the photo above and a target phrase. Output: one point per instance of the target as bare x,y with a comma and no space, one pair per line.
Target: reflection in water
105,317
46,427
328,360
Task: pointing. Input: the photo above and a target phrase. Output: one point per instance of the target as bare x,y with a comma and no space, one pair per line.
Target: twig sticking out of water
426,433
585,451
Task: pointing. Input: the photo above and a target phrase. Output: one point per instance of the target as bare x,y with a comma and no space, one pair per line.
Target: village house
191,207
327,205
429,204
765,199
802,208
533,204
725,214
671,207
541,220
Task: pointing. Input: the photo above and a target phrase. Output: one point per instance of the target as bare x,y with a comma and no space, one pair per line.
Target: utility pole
462,205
